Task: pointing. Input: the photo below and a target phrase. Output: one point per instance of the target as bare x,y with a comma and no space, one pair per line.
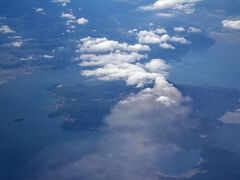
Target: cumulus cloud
231,117
90,44
132,31
232,24
179,29
194,30
71,21
181,40
118,61
4,29
133,74
156,65
82,21
182,5
153,37
160,31
112,58
166,46
68,16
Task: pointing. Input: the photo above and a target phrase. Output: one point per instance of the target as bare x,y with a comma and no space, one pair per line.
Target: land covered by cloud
135,144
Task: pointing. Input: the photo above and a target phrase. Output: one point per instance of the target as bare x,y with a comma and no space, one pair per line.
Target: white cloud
153,37
15,37
68,16
82,21
132,31
120,62
133,74
232,24
160,31
179,29
104,45
69,22
182,5
194,30
39,9
150,37
165,14
48,56
166,100
112,58
4,29
61,1
29,58
69,31
181,40
16,44
156,65
64,2
166,46
231,117
151,24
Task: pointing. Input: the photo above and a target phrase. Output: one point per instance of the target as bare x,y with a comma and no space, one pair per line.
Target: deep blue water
27,97
216,66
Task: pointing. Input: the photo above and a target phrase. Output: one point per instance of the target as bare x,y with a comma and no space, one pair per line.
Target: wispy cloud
194,30
4,29
165,15
179,29
16,44
68,16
